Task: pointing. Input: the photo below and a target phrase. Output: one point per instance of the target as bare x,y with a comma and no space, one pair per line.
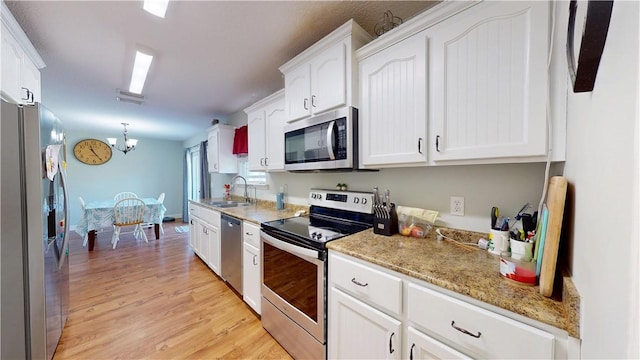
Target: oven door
293,281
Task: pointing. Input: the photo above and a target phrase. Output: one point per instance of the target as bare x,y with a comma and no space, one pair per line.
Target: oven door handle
293,249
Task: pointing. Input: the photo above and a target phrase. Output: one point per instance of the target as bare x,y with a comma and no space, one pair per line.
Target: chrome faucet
246,194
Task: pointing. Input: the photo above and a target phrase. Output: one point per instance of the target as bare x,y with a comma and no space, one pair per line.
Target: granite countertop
255,213
467,271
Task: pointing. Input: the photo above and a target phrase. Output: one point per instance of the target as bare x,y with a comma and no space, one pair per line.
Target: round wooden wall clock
92,151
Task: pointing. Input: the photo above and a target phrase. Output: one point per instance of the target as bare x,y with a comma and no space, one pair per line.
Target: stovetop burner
332,215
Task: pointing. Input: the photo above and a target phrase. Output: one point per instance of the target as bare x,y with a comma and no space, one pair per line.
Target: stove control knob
364,201
356,200
319,196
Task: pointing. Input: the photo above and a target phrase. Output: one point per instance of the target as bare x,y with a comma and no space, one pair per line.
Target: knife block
385,222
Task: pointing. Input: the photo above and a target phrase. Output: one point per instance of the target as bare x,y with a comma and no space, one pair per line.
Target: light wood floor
157,301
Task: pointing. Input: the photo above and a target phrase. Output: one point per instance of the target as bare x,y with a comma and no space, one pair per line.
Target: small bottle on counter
280,199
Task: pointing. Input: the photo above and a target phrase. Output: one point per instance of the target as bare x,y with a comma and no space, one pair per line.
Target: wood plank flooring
155,301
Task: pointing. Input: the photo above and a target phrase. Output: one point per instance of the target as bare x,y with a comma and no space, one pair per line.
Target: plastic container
415,222
523,272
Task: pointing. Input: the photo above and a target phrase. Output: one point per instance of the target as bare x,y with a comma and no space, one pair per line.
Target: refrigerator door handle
65,234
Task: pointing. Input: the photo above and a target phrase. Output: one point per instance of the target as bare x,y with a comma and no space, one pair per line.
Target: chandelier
129,144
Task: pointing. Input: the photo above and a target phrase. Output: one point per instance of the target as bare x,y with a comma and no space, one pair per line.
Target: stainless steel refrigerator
34,248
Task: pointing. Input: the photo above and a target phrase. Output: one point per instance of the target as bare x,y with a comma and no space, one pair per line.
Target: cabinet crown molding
350,28
264,101
16,31
422,21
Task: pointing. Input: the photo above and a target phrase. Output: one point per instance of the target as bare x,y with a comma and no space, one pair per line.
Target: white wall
155,166
602,168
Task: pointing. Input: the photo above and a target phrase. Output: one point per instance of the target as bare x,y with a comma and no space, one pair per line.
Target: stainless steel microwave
324,142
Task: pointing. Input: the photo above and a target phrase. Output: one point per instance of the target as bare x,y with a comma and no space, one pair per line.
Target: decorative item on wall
92,151
594,28
388,22
129,144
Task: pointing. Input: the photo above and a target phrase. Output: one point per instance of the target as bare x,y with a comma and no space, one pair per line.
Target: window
193,171
253,177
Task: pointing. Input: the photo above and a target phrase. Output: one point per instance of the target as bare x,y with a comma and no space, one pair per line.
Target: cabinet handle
266,162
248,233
313,100
255,262
411,352
205,230
261,161
438,143
391,350
29,97
465,331
358,283
305,104
419,145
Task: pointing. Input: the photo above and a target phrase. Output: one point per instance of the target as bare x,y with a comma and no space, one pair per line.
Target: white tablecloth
99,214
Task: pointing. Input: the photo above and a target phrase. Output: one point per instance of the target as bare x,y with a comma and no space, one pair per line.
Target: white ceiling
212,58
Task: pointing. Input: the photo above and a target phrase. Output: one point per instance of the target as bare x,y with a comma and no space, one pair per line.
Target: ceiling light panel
156,7
140,69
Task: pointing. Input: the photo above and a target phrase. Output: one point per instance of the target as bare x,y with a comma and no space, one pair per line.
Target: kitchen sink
228,204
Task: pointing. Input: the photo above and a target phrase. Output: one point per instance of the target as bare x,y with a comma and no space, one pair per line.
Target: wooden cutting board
556,196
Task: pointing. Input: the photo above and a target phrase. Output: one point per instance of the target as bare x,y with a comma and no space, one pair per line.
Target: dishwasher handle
231,221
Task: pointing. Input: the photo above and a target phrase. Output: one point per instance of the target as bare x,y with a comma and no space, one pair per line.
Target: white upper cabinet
324,76
488,82
220,149
393,126
266,120
21,63
257,140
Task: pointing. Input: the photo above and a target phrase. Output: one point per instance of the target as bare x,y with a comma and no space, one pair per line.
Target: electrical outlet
457,205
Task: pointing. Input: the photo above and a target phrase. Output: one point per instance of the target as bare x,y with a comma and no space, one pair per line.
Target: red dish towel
241,140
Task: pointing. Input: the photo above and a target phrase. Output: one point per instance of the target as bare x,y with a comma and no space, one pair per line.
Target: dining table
100,214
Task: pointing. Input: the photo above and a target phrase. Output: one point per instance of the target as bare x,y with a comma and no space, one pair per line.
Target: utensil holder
385,222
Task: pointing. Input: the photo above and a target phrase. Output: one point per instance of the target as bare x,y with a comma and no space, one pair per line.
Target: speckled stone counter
256,213
467,271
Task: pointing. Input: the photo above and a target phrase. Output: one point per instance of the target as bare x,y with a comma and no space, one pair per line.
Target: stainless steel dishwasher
231,251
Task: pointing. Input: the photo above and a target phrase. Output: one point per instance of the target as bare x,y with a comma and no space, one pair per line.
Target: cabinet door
31,80
329,79
11,66
213,259
275,120
421,346
393,104
204,242
297,92
257,128
251,277
212,150
488,82
358,331
193,234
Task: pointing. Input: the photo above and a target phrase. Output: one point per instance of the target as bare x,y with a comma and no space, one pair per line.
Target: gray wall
155,166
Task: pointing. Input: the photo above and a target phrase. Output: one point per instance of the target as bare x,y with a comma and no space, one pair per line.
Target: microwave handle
330,143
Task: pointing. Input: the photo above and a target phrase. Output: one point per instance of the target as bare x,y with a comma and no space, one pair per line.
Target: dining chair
128,212
124,195
148,225
82,207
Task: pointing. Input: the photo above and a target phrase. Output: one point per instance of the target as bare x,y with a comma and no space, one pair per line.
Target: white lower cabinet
359,331
414,321
422,346
251,266
204,235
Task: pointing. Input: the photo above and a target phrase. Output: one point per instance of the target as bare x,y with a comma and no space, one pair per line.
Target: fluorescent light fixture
140,69
156,7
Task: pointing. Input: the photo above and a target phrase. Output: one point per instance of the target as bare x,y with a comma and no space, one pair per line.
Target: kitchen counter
471,272
255,213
